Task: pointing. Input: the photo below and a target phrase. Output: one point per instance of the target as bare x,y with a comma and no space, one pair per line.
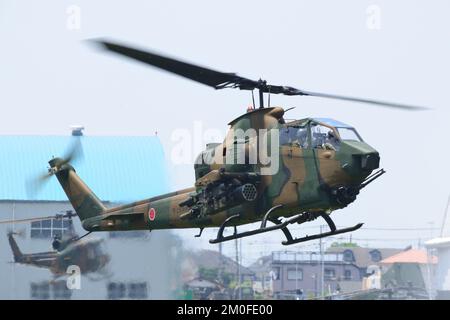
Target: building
262,269
409,267
200,289
440,288
210,264
408,273
340,269
363,258
294,271
118,170
211,275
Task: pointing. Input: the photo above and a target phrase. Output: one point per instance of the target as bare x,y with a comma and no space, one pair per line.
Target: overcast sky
50,80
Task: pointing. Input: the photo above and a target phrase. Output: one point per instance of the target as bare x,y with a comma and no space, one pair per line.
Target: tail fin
15,248
83,200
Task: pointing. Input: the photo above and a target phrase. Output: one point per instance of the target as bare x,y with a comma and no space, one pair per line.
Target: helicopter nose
361,158
368,161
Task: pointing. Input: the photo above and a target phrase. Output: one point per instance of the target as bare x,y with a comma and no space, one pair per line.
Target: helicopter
323,164
68,250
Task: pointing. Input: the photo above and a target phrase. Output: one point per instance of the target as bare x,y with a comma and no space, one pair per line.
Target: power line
400,229
378,228
274,242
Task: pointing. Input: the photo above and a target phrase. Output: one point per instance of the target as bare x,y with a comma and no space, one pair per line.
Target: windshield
349,134
323,137
294,136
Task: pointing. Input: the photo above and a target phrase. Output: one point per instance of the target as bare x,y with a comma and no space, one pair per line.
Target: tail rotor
34,185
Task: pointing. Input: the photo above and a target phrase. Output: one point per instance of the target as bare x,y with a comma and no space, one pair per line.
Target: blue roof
333,123
117,169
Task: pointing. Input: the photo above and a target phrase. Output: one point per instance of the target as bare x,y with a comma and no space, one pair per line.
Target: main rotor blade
27,220
68,214
209,77
363,100
220,80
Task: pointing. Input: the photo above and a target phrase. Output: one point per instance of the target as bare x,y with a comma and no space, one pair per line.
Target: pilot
331,135
331,141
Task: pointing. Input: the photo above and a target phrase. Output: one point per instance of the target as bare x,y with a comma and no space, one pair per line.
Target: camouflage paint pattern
306,181
83,253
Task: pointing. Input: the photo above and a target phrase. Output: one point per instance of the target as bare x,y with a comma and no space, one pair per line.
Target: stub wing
42,260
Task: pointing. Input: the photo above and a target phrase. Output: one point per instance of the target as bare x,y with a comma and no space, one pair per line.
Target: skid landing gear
283,226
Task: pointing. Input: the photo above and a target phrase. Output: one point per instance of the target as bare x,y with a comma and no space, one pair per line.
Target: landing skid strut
283,226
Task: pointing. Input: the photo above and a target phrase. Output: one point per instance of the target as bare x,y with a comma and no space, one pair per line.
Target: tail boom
83,200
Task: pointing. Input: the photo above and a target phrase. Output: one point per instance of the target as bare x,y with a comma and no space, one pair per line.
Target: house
410,270
263,276
312,273
441,286
340,269
213,266
363,258
201,289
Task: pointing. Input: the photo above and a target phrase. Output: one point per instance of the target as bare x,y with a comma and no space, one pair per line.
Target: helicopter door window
57,223
294,136
49,228
323,137
57,234
349,134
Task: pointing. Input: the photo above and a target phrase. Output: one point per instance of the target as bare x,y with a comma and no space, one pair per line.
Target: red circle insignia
151,214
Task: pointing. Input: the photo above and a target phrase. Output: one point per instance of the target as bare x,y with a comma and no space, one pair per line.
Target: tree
209,274
344,245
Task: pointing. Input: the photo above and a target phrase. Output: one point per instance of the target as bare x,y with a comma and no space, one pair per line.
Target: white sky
51,80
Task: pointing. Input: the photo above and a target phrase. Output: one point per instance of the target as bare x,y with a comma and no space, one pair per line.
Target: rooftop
213,259
364,257
411,256
438,243
291,256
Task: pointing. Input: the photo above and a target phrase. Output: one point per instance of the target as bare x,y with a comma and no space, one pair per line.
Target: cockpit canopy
346,132
318,132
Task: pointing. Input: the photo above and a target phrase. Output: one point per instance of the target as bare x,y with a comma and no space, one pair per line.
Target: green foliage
209,274
259,296
344,245
227,278
310,296
213,274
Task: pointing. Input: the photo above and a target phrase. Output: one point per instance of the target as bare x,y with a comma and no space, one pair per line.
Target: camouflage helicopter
68,249
323,165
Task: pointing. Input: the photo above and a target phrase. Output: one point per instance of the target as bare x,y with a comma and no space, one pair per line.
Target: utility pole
220,275
321,267
238,270
13,278
445,217
296,273
315,284
429,261
240,263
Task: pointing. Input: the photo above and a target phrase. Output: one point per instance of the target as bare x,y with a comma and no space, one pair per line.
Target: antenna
261,98
253,99
445,217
